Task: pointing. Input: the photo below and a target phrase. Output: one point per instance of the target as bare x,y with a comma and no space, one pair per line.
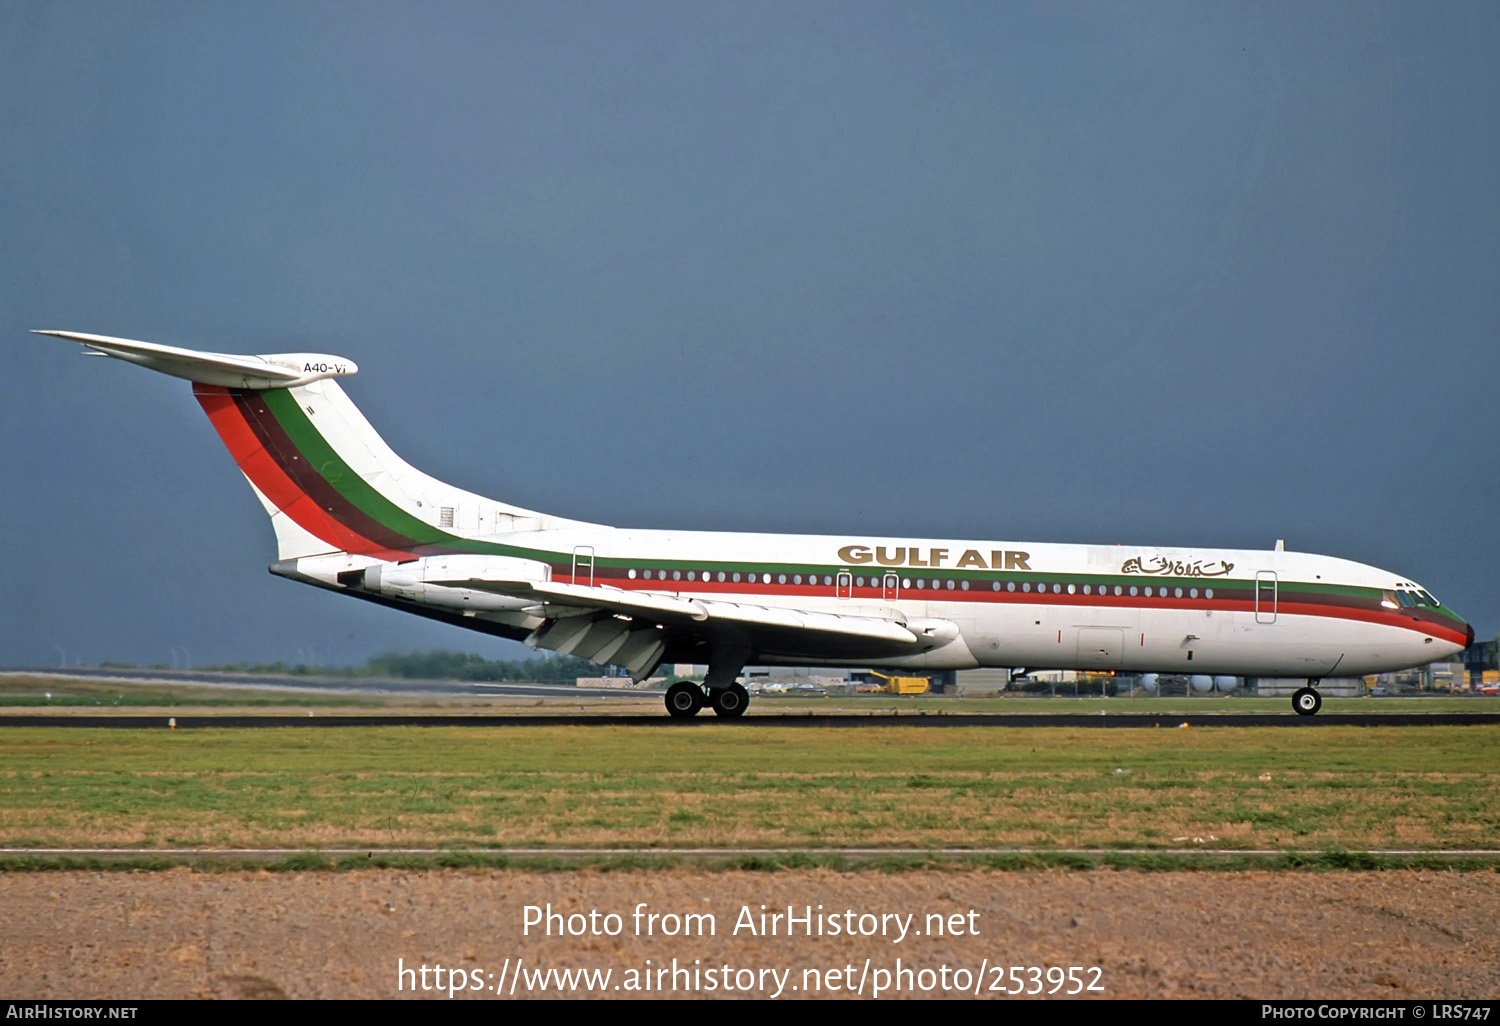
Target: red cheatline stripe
256,409
1286,608
286,478
266,473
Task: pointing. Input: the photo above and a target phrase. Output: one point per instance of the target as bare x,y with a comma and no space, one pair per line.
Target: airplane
350,516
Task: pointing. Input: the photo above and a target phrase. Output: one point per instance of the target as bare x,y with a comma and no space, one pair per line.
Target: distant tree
440,665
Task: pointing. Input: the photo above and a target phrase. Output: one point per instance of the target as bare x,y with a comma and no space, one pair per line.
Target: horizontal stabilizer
276,370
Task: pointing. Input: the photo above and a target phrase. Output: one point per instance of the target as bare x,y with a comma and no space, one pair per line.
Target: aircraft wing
633,628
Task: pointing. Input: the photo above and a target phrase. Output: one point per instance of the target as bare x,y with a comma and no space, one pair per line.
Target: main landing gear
1307,701
686,698
720,688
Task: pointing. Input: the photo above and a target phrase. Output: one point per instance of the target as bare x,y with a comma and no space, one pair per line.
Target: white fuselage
1037,605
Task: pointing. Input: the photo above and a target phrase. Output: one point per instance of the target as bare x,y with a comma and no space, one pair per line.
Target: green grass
61,692
1333,789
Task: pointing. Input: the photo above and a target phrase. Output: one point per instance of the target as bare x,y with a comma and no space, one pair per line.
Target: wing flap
559,601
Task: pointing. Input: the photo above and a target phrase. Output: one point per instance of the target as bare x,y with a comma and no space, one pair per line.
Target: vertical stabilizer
327,479
331,483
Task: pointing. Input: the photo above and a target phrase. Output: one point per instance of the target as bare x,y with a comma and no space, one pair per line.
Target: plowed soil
188,934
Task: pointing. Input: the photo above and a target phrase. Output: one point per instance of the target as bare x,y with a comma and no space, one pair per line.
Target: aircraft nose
1469,642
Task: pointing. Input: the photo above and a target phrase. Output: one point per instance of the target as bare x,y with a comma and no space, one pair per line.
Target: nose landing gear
1307,701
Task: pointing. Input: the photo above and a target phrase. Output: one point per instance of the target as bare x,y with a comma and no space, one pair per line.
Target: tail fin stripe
269,475
308,474
285,455
260,468
374,510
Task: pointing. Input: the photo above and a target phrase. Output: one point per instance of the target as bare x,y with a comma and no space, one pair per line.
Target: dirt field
185,934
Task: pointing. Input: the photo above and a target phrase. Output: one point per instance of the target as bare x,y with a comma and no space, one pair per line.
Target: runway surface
751,722
328,685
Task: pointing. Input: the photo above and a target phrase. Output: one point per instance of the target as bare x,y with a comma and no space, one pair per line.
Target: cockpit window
1388,599
1410,596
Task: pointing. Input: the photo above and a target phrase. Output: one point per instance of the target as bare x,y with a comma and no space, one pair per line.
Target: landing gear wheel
684,699
730,702
1307,701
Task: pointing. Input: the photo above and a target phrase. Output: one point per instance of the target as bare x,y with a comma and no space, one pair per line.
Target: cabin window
1132,591
1178,593
631,575
1208,593
964,585
1118,589
1193,593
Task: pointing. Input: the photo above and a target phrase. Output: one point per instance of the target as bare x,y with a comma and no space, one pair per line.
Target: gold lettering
914,558
896,560
855,554
971,557
936,557
1017,560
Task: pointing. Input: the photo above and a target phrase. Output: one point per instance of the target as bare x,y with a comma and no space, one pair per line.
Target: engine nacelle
431,581
1149,682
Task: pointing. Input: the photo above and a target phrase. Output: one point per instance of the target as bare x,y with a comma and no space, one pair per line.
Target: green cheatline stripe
316,450
364,496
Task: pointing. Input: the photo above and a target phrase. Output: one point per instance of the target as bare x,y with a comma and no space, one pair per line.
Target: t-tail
328,480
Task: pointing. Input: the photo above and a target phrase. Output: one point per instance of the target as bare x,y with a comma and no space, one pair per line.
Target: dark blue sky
1190,274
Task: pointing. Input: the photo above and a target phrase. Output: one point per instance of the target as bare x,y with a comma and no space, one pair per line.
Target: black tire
1307,701
731,702
684,699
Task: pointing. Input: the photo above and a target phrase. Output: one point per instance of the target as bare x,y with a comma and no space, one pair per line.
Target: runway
752,721
387,686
